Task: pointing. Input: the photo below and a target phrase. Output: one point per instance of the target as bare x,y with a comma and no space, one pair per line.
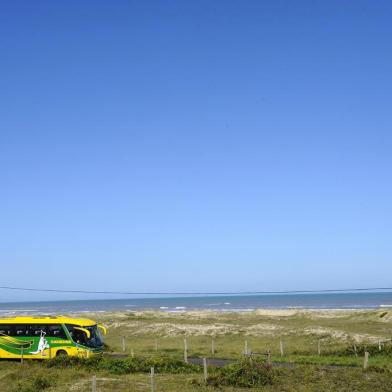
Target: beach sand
338,326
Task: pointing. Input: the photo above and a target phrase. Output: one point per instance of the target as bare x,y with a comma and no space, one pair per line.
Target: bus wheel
61,353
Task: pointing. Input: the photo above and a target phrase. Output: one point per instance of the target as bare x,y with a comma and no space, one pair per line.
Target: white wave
84,311
180,307
385,306
227,303
175,311
236,310
163,307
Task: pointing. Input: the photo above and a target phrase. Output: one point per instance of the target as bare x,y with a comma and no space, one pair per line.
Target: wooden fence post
123,343
213,345
152,374
156,345
281,348
246,347
355,350
205,370
185,350
366,360
319,347
132,353
379,345
94,384
268,357
21,355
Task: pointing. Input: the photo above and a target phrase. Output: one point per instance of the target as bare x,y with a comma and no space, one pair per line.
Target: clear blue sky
204,145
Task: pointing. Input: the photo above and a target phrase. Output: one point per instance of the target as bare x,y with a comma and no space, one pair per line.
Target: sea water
241,303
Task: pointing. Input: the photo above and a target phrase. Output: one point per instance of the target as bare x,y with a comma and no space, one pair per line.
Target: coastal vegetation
288,350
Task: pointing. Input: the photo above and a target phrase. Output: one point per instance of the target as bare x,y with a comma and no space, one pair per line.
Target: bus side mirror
103,329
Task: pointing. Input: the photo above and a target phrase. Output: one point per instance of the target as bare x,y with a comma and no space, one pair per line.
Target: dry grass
299,330
263,329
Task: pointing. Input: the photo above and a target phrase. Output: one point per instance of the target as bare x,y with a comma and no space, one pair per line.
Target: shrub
41,382
245,373
107,348
78,362
372,349
125,366
38,384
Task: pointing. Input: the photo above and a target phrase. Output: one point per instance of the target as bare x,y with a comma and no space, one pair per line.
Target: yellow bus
47,337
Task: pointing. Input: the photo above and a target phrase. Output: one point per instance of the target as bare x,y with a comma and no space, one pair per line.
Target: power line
147,293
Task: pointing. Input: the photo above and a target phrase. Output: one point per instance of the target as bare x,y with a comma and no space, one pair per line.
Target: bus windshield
95,339
79,336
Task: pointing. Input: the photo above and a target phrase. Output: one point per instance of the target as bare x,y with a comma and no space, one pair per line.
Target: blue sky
195,146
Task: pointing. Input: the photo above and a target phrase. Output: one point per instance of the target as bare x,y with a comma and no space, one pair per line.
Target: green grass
300,333
303,370
37,377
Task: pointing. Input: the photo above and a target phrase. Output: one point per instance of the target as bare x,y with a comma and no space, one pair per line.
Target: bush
107,348
125,366
38,384
372,349
245,373
78,362
41,382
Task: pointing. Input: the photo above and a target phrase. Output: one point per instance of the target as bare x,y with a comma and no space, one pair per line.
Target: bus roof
47,320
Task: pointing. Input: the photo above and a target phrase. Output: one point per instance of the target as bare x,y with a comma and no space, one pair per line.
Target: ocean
240,303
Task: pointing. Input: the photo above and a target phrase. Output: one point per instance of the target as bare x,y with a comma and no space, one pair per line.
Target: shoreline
270,311
298,326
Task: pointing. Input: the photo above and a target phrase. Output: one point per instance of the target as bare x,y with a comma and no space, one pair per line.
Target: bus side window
20,330
76,335
36,329
70,329
5,329
56,331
